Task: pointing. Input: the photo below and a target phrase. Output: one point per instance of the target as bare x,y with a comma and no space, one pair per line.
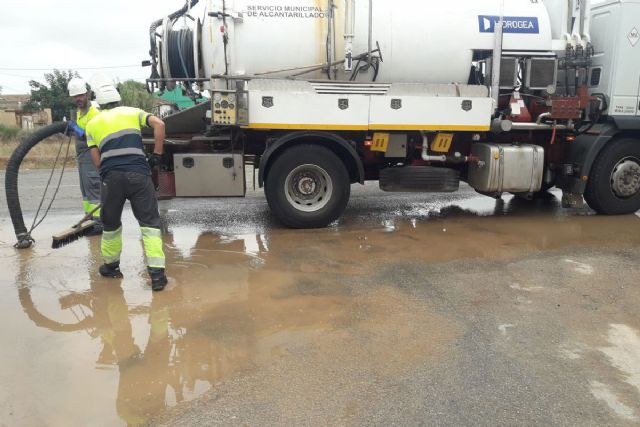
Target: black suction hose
11,180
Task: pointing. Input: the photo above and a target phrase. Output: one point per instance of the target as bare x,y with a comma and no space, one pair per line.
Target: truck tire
613,187
307,186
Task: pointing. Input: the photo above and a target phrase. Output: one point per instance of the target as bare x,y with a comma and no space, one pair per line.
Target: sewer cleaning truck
509,96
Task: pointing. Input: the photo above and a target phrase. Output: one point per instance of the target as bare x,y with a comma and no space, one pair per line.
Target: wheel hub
308,187
625,178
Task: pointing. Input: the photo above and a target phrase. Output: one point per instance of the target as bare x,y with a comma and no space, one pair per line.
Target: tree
134,94
53,94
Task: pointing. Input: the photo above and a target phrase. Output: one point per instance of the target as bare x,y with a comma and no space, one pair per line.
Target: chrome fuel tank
507,168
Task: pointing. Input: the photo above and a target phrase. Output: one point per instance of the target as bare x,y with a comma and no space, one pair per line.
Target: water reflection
481,206
509,205
221,315
103,313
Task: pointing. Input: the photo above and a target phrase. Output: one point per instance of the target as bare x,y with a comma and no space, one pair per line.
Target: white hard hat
77,86
106,94
105,91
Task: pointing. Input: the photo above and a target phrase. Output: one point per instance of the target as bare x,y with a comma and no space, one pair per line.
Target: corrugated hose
25,240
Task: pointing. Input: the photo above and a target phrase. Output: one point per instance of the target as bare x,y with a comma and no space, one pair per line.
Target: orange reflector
570,138
584,178
367,143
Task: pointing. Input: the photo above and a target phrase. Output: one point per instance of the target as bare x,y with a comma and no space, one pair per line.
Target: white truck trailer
507,95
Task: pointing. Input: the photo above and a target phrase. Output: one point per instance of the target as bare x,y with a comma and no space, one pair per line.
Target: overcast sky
66,34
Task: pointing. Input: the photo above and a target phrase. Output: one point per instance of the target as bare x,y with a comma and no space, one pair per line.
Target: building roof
13,102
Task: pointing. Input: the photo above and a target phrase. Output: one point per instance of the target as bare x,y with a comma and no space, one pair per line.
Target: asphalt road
412,309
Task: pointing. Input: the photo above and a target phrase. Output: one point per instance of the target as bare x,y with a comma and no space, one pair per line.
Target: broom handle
87,216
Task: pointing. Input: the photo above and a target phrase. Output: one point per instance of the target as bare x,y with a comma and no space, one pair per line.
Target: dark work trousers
117,187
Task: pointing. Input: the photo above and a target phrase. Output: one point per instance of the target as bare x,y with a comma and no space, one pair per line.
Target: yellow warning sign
442,143
380,142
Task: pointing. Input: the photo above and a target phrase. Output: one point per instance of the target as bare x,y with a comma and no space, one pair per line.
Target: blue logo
511,24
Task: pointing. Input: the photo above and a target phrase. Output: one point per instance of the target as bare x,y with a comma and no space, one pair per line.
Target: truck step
420,179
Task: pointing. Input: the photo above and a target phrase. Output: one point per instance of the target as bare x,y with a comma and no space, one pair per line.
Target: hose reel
175,52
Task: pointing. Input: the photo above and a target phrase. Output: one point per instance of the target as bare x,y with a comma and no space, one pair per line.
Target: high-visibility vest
116,133
83,119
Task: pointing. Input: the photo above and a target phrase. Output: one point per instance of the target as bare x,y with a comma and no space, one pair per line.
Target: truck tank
413,40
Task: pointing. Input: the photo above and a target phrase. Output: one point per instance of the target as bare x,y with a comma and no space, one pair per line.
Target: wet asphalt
412,309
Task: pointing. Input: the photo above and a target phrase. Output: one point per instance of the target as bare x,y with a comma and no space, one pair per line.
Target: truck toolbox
506,167
201,174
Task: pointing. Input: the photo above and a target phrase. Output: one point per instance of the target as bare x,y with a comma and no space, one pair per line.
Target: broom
81,228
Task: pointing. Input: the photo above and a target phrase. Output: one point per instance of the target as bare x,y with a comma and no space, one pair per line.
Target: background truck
511,96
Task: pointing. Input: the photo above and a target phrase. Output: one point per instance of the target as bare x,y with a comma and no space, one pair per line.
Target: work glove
73,128
154,160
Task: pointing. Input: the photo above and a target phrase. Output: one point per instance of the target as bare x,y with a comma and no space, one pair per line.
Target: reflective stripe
118,134
110,235
91,206
111,245
125,141
155,262
152,241
151,232
121,152
142,118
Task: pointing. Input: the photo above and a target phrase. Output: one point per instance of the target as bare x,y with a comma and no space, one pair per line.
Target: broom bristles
72,234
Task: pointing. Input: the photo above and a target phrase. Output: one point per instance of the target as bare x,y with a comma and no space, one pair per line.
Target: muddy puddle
78,349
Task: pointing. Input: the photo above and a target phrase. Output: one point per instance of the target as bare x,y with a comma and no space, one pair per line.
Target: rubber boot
111,270
158,278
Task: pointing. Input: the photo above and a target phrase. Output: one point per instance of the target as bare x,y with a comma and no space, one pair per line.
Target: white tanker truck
507,95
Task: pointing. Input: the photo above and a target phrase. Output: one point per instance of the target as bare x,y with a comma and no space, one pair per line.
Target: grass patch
8,133
42,156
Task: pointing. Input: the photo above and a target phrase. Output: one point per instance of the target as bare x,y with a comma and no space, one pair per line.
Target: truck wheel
307,187
614,182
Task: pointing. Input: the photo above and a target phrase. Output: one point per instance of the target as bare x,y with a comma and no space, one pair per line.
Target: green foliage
52,94
8,133
134,94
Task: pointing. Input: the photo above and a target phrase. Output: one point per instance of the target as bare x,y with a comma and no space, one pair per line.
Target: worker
80,91
116,148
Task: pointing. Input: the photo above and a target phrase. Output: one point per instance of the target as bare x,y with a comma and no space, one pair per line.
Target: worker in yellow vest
80,91
116,148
